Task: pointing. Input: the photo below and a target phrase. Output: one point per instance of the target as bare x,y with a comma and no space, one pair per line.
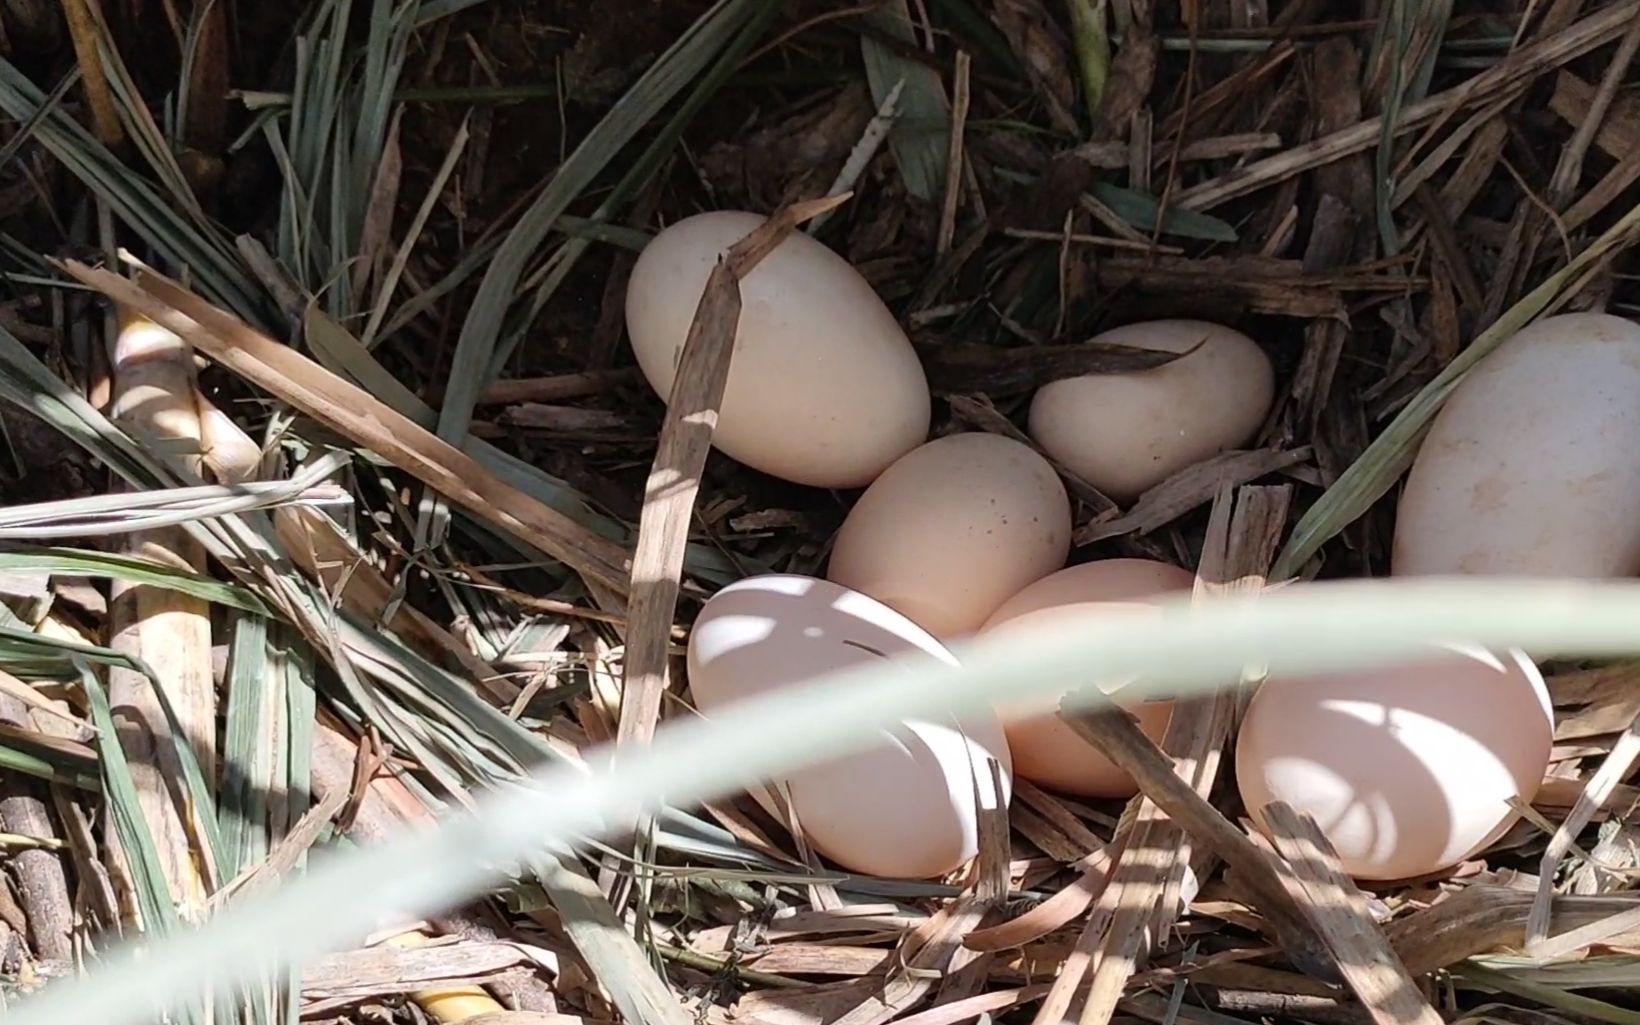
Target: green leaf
921,137
81,562
1139,209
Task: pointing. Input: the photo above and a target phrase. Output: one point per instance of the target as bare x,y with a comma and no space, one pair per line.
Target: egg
1407,770
1044,749
906,808
1126,433
954,528
1529,469
823,389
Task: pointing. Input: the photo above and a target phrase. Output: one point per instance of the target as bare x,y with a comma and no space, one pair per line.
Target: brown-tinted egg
824,388
1126,433
1044,749
954,528
1408,769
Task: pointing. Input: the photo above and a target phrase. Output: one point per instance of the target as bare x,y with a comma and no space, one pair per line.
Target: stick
1339,913
674,479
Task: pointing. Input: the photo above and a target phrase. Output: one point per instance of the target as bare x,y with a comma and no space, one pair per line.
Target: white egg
823,389
1407,769
1529,469
906,808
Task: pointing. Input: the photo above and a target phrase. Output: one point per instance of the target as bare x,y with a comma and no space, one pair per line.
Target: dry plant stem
557,387
1146,888
1521,65
320,550
1612,771
1339,913
359,416
1569,168
1121,741
1483,918
954,159
82,28
381,807
385,804
318,547
42,885
154,398
674,479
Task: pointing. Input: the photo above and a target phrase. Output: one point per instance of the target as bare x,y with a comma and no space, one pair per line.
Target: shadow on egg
1407,770
905,807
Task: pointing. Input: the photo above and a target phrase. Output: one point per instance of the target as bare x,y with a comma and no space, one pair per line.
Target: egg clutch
1527,470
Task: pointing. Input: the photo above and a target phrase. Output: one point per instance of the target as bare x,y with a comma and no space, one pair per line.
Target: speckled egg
953,529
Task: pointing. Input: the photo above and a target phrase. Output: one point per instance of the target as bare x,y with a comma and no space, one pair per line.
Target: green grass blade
921,137
246,757
1377,469
153,893
1184,647
82,562
16,756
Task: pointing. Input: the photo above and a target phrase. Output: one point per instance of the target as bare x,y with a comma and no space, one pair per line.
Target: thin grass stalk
1297,630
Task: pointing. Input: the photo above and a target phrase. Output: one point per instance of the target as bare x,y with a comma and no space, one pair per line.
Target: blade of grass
1318,627
81,562
1377,469
919,139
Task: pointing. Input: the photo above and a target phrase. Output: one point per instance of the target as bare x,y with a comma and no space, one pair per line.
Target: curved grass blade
83,562
1306,630
1377,469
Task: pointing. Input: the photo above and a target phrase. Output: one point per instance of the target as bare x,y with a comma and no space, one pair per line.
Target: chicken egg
1407,770
823,389
905,808
954,528
1044,749
1126,433
1529,469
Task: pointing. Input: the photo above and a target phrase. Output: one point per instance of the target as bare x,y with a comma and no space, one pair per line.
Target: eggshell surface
905,808
1407,770
823,389
1529,469
1044,749
1126,433
953,529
